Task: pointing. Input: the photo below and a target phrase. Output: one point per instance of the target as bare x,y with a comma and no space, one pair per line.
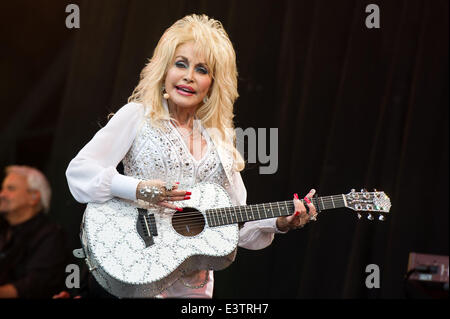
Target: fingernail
295,196
187,197
307,200
179,209
188,193
177,182
297,213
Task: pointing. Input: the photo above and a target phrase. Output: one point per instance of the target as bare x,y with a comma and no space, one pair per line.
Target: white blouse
150,153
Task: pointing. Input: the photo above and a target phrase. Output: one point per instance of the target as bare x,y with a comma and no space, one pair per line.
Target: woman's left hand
301,215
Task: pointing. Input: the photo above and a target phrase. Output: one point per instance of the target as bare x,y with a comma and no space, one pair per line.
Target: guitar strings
216,221
246,209
324,201
196,218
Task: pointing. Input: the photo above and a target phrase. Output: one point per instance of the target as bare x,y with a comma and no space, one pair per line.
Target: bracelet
152,194
198,286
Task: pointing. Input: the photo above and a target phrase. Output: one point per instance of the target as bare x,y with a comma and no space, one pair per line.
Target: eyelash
181,64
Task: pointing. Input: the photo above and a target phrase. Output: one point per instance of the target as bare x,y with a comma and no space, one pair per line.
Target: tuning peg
370,217
381,218
359,216
365,193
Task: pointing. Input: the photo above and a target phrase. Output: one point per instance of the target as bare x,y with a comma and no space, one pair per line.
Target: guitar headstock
375,202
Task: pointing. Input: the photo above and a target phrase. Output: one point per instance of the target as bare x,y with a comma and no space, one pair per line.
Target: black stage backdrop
354,108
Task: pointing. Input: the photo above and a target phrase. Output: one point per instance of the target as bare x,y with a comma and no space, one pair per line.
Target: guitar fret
222,217
324,204
316,203
257,210
243,211
252,213
271,210
279,209
238,214
226,216
268,211
215,217
344,202
232,216
246,213
218,217
209,219
284,209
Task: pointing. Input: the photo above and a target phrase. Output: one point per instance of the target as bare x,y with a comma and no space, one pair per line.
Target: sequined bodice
161,153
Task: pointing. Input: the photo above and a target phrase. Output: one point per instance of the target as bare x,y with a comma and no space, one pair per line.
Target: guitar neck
240,214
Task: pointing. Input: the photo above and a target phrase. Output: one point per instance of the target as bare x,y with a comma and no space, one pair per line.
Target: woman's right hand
164,196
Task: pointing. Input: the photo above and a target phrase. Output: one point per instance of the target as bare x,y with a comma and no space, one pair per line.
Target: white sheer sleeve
92,174
256,234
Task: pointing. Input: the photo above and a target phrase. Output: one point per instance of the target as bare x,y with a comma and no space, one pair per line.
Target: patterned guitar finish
138,251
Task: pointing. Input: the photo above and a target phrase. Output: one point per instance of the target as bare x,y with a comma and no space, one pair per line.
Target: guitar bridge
146,226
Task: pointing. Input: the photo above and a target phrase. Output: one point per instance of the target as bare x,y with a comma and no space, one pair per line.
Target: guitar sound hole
189,222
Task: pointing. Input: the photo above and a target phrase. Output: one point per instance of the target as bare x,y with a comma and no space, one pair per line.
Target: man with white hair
32,249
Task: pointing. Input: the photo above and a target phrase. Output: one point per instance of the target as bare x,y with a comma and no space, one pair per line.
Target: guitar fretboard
239,214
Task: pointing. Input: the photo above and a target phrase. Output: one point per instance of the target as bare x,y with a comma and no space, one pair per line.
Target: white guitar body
139,251
128,266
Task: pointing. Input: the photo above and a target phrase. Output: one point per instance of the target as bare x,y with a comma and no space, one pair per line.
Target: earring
165,94
205,99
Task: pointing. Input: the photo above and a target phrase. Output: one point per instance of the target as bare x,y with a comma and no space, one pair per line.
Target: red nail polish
307,200
295,196
179,209
187,197
188,193
297,213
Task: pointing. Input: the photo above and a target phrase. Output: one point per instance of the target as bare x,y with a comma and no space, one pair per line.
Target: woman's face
188,79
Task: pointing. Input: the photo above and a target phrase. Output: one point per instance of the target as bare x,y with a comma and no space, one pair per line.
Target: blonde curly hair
210,40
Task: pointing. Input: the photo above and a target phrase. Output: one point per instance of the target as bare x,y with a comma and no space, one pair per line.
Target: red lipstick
185,90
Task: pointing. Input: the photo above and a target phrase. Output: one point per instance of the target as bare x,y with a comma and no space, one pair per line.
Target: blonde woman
177,129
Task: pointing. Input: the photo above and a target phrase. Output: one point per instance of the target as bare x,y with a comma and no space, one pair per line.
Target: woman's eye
180,64
202,70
